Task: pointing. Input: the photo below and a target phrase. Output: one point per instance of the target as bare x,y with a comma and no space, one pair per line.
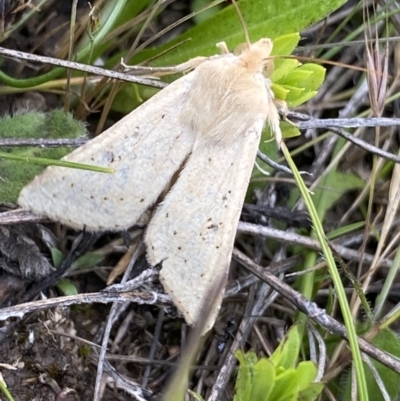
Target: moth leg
282,107
283,110
161,71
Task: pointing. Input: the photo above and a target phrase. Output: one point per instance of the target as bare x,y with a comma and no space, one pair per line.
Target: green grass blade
348,319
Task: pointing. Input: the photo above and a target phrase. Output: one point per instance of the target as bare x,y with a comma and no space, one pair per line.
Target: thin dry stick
312,310
153,348
308,242
333,125
42,143
139,297
110,321
306,123
20,216
81,67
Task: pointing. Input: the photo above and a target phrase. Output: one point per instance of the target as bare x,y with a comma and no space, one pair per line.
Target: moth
205,126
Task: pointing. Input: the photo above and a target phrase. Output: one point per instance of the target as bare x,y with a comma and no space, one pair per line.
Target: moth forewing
192,232
145,149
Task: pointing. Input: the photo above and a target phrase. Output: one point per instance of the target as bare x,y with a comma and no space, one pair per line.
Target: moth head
255,56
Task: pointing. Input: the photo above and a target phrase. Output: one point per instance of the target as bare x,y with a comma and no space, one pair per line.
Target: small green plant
279,377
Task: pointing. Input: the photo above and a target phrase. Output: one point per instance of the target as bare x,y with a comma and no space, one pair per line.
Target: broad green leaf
289,130
386,340
264,19
333,186
311,393
283,68
287,352
279,91
284,45
315,79
301,99
57,257
295,78
307,371
244,378
87,260
292,381
294,93
285,385
263,380
224,26
66,286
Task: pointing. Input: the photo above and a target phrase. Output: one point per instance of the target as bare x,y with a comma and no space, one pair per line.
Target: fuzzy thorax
256,55
229,95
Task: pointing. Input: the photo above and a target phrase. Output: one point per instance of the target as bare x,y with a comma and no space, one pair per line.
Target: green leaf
293,94
264,19
88,260
311,393
244,378
307,371
263,380
279,91
57,256
52,162
388,341
314,80
287,352
304,97
285,385
284,45
296,78
333,186
292,381
308,77
66,287
282,69
289,130
341,295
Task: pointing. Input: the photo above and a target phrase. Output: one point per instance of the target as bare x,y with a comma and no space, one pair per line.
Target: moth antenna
245,31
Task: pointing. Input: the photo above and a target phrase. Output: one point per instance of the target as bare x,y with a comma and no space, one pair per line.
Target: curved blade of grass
177,387
344,306
22,21
4,390
59,163
115,11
